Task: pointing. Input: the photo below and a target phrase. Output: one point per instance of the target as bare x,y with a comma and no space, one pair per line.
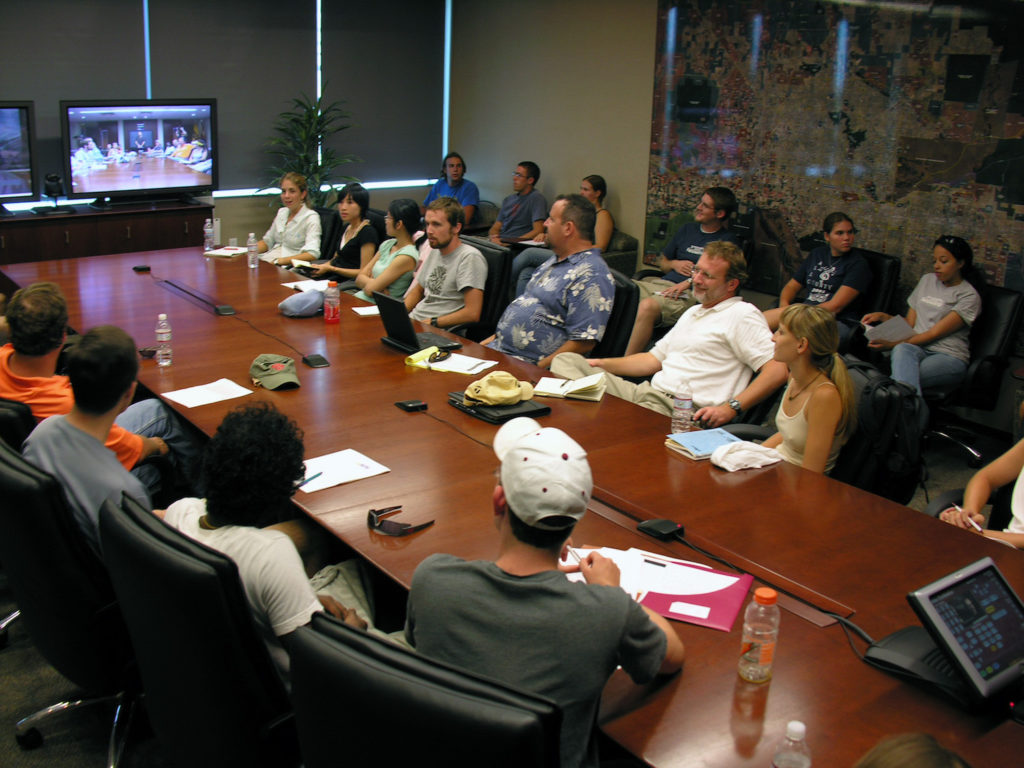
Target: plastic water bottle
163,341
760,633
208,235
253,251
332,303
682,412
792,751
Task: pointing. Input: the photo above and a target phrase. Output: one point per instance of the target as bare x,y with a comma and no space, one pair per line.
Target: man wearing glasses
713,352
518,619
522,214
664,299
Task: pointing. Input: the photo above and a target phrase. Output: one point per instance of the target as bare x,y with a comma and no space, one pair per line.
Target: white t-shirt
444,277
714,352
270,569
932,300
1017,505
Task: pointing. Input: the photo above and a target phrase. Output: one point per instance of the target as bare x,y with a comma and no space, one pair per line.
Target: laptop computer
499,414
398,326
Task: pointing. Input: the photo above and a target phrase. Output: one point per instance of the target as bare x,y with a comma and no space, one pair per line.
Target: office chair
16,422
66,600
376,218
992,341
621,319
499,267
213,695
484,217
369,702
331,227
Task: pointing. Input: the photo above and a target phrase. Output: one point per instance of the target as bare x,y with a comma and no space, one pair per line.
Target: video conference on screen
15,160
132,148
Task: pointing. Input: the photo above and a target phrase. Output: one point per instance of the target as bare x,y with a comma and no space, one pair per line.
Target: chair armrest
642,273
944,500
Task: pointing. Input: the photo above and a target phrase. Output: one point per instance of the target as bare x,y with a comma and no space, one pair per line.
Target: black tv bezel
156,193
33,150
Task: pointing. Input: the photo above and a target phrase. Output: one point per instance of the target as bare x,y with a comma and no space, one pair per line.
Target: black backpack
884,453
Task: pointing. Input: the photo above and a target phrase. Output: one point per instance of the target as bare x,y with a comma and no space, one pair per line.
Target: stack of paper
676,589
227,251
700,443
893,329
588,388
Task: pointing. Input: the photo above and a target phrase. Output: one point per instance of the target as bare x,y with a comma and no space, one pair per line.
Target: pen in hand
970,519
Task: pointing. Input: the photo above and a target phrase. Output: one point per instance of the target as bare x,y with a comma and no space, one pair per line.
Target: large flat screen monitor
18,176
117,151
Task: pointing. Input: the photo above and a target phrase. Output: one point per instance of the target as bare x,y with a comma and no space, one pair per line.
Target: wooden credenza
89,232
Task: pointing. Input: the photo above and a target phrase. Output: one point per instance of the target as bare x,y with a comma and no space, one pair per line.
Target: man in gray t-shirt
518,619
449,287
102,368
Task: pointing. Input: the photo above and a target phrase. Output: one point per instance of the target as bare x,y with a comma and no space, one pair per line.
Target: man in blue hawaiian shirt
566,305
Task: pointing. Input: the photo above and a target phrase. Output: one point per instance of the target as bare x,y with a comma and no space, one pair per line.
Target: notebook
398,326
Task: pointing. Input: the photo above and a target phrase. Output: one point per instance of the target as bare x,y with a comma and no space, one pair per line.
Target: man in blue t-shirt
522,213
664,299
453,183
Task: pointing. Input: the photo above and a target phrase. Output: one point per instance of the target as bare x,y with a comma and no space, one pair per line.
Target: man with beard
713,351
449,288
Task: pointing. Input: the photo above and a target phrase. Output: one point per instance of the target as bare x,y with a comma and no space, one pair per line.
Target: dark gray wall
385,61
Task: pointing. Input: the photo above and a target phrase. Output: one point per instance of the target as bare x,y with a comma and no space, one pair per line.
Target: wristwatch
735,405
433,322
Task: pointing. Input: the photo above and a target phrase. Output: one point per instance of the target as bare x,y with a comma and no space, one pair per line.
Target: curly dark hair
38,317
251,466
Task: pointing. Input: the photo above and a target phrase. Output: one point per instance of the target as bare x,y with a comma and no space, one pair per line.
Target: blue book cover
700,443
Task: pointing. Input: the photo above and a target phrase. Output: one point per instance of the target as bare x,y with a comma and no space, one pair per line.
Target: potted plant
300,145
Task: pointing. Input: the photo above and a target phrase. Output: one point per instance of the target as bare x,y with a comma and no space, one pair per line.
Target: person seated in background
102,368
518,619
835,275
250,471
453,183
713,352
87,156
1008,468
594,189
567,303
295,232
199,154
38,316
942,307
449,288
664,299
391,269
522,214
359,239
818,410
910,750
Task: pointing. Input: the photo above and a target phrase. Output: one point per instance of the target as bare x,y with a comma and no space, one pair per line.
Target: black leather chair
620,322
66,600
992,341
376,218
213,695
331,227
499,270
483,219
16,422
360,700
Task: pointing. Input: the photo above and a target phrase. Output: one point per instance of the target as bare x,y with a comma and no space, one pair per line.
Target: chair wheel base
30,739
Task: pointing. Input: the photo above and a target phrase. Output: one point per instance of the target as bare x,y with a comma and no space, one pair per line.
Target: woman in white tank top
817,412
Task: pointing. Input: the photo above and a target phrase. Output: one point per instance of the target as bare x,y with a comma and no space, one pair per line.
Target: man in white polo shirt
714,351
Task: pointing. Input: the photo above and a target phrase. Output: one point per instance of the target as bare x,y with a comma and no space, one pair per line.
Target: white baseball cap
545,474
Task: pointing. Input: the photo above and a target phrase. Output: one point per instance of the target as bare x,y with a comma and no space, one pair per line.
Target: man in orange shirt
38,316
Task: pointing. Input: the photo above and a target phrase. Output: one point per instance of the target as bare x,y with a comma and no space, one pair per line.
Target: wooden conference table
837,548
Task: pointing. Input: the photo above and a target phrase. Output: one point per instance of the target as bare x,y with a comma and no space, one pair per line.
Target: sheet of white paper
641,572
893,329
340,467
307,285
370,310
204,394
463,364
